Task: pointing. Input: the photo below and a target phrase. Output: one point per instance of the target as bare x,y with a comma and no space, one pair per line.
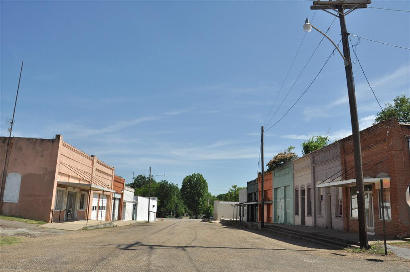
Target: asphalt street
181,245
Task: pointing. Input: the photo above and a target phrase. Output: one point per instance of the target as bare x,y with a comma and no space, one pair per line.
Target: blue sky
185,86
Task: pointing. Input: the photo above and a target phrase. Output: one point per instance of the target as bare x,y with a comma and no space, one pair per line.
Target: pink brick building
50,180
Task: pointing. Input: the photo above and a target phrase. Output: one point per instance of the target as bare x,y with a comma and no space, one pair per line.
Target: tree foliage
169,196
281,158
314,143
194,191
231,195
400,110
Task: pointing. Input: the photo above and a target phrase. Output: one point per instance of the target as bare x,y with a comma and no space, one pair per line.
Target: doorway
303,207
70,210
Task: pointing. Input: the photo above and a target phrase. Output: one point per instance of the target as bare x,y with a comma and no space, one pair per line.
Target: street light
307,27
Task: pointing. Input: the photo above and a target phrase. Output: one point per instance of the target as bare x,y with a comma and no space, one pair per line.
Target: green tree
170,200
140,181
194,192
231,195
281,158
314,143
400,110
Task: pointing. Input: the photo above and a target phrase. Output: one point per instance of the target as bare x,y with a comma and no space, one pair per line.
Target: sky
184,86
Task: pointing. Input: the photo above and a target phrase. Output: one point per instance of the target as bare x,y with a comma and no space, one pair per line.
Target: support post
149,192
384,221
263,181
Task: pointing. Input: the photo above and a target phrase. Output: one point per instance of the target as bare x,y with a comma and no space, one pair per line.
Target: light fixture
307,26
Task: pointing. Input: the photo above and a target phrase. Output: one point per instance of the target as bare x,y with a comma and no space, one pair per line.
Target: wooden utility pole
149,192
343,8
263,181
6,159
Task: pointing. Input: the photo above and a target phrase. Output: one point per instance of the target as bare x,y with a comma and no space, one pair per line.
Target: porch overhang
85,186
352,182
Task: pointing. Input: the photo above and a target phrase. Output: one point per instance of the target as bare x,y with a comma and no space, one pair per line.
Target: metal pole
384,221
263,180
355,131
6,159
149,192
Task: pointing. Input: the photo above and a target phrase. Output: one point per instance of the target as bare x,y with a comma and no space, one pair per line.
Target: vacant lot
181,245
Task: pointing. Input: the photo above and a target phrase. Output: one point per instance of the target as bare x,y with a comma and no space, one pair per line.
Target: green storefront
283,212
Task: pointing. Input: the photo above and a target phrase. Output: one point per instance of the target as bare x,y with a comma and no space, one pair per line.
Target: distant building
268,197
243,196
128,206
252,200
226,210
283,194
141,208
118,198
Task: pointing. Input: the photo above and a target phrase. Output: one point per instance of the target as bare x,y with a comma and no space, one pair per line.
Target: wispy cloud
386,86
364,123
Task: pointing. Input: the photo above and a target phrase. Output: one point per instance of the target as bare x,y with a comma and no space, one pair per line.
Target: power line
381,42
290,68
365,76
301,71
390,9
305,91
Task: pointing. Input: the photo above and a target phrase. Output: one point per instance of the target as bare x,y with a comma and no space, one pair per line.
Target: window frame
308,201
387,211
85,201
63,191
353,190
339,202
297,201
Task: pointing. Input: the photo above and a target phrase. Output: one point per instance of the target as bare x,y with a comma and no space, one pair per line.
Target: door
279,205
70,210
288,206
94,207
102,207
368,208
302,207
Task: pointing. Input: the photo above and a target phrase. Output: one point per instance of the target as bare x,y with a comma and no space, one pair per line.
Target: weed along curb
99,226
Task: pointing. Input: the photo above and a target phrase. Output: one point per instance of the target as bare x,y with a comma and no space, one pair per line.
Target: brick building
386,158
268,198
118,198
50,180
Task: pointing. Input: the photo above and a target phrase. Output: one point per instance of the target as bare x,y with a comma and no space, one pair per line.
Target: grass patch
19,219
375,249
8,240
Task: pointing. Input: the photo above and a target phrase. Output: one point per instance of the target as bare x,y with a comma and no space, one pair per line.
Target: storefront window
59,200
387,207
82,201
309,202
296,201
339,202
408,195
353,203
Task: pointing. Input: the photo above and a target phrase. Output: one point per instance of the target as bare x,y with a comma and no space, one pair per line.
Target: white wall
243,196
142,208
225,210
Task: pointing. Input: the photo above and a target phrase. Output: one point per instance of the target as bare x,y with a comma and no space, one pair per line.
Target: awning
352,182
85,186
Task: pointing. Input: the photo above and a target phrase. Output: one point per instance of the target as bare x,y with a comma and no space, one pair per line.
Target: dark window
59,200
82,201
309,202
296,202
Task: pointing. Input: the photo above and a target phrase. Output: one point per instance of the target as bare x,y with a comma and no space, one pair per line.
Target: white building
128,208
141,210
226,210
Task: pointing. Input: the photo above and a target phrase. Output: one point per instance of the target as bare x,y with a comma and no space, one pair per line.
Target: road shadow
283,238
135,245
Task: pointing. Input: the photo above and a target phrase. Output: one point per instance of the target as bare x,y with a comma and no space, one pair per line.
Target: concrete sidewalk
84,224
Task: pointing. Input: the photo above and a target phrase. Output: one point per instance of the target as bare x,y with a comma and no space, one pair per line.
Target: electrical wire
365,76
390,9
381,42
305,91
301,71
289,69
